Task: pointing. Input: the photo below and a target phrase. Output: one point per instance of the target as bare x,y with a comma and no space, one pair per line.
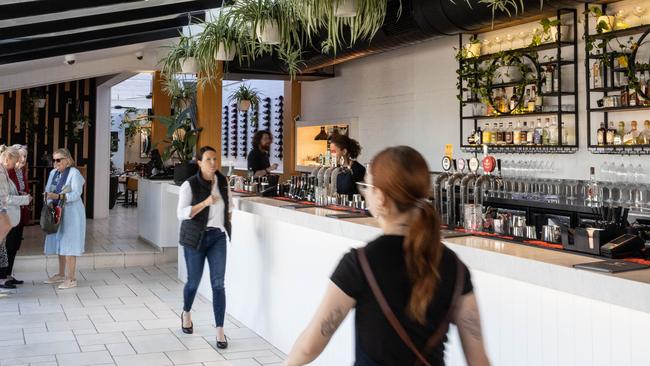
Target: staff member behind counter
347,150
258,158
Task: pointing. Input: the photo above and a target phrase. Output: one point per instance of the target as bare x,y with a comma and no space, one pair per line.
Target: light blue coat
71,237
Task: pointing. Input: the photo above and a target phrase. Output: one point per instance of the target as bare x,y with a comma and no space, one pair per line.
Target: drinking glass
631,176
522,36
487,46
510,38
639,11
498,40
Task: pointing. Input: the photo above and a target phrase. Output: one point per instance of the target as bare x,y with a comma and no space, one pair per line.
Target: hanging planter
244,105
268,32
345,9
189,66
41,102
225,52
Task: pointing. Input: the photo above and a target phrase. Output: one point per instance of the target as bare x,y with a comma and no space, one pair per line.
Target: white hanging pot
41,102
564,33
225,53
268,32
346,9
244,105
189,66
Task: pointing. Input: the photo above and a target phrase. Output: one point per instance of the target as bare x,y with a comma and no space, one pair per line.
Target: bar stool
132,189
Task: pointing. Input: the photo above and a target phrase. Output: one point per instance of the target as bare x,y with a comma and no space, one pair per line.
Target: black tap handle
499,165
454,164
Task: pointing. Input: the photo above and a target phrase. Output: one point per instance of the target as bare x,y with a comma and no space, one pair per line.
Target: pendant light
322,135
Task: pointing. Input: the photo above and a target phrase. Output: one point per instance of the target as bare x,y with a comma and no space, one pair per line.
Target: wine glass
487,44
639,11
498,40
621,15
522,36
510,38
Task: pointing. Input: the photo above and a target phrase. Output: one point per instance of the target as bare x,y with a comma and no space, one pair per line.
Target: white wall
408,96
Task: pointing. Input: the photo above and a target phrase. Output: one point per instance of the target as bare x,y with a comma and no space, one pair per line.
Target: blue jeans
213,247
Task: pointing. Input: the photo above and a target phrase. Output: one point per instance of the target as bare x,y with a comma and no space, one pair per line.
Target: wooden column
208,103
162,106
291,110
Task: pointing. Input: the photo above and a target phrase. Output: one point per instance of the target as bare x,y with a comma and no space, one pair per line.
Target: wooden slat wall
208,108
50,133
292,105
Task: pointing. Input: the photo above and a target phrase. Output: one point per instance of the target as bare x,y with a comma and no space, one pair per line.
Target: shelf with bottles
620,109
518,115
618,138
522,149
529,49
620,32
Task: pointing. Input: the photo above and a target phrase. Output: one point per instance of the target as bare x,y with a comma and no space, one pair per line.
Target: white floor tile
156,343
86,358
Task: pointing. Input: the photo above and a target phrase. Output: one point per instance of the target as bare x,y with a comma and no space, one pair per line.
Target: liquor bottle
596,75
478,136
552,133
620,132
611,133
532,99
624,97
514,101
630,138
495,134
546,136
530,133
503,101
509,134
556,80
602,135
645,136
501,135
632,99
592,187
524,134
548,79
538,101
537,135
486,137
516,134
568,135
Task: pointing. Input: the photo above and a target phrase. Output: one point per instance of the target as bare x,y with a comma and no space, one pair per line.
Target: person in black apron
347,150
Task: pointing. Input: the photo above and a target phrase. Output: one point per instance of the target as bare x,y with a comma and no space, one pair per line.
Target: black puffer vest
201,190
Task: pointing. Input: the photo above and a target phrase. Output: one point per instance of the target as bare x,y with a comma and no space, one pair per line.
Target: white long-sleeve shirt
215,217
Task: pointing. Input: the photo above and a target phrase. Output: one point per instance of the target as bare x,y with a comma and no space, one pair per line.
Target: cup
551,233
530,232
473,217
498,226
518,231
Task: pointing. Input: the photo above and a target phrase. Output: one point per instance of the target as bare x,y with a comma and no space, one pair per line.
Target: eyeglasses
364,187
58,160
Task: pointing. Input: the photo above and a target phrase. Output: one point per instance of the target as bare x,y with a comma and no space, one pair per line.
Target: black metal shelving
559,62
608,71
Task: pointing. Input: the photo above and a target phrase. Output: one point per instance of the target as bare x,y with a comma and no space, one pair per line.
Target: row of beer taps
454,188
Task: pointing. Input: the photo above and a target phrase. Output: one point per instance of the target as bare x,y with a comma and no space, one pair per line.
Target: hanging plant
74,129
181,57
245,97
181,90
133,124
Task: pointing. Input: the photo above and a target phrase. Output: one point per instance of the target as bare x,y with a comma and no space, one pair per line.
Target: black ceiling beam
91,46
81,38
31,8
90,20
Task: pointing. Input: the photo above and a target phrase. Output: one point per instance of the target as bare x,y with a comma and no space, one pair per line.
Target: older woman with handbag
18,176
12,201
65,184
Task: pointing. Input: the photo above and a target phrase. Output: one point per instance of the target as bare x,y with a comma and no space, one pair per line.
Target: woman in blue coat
66,183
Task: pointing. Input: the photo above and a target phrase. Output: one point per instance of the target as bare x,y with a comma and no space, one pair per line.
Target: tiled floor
117,233
123,316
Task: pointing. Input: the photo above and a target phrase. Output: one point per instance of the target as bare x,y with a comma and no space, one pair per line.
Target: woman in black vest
204,206
347,150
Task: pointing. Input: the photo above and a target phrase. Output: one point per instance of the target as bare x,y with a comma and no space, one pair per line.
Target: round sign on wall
446,163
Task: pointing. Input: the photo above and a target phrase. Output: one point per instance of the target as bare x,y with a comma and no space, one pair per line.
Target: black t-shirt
258,160
346,183
375,337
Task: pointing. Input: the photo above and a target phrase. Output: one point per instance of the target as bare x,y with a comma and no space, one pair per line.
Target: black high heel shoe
224,344
188,330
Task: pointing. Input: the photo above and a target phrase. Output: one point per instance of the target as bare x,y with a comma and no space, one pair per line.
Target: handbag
51,216
191,233
392,319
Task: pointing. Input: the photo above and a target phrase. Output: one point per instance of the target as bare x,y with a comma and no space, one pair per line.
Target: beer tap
438,184
451,195
467,181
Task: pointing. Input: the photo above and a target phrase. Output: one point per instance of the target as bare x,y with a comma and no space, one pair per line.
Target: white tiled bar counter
536,309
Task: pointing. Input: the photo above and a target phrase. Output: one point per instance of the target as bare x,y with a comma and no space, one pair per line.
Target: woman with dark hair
406,286
347,150
204,206
258,158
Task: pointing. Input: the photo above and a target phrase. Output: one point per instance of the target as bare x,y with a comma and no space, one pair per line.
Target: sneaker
54,279
68,284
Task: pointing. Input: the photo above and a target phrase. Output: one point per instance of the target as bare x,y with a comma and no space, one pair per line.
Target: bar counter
536,309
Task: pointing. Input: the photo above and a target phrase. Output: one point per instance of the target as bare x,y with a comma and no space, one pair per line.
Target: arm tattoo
331,323
472,323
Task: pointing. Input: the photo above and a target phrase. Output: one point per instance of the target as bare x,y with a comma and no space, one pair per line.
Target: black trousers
14,239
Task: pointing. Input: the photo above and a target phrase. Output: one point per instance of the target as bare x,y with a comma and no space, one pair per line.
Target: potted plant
181,91
182,136
220,40
245,97
345,8
181,57
473,48
132,124
78,121
271,21
39,99
550,30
